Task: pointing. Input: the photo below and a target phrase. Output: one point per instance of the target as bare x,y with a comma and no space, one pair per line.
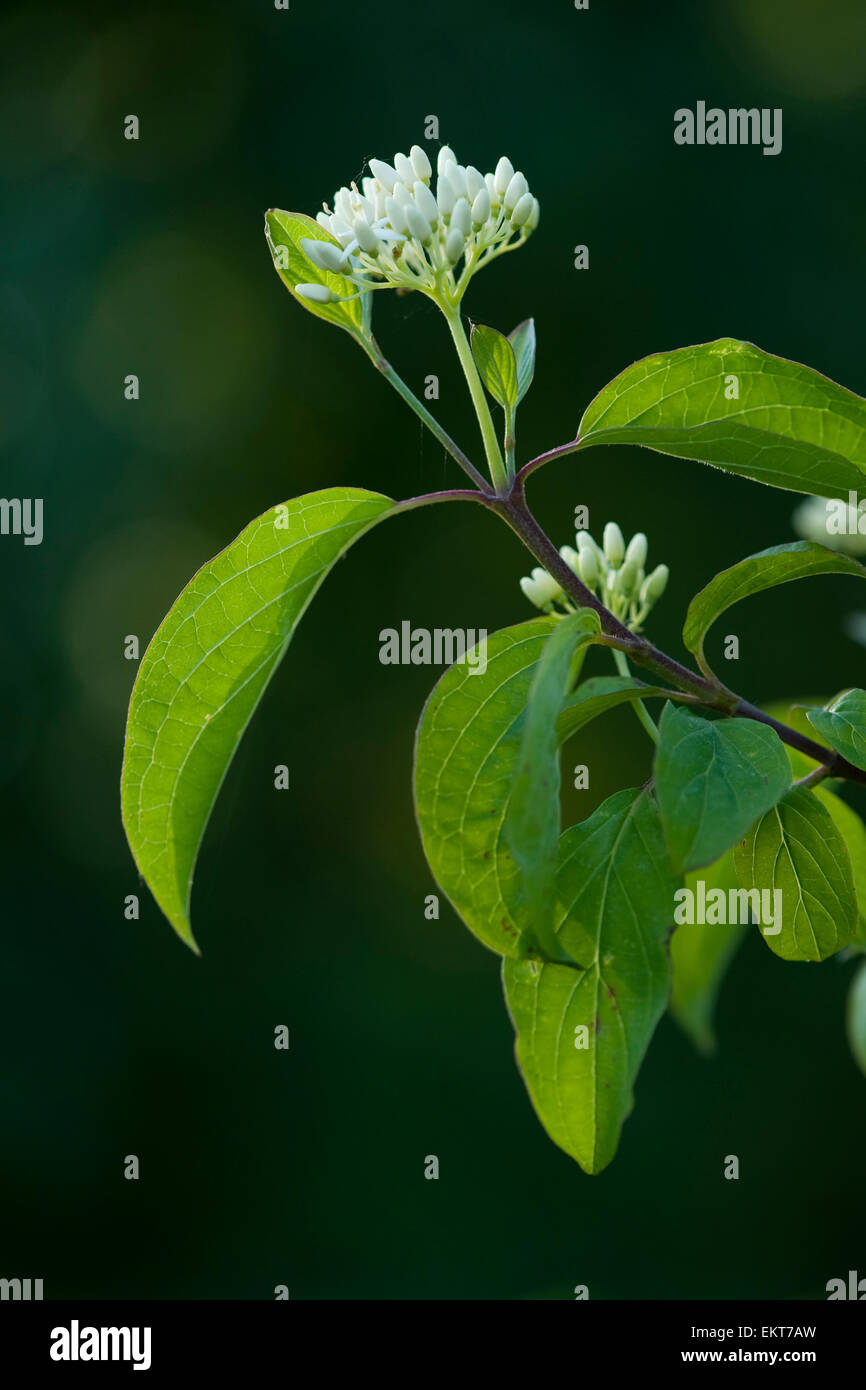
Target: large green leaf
494,358
797,850
778,565
532,822
468,741
843,725
284,232
701,953
206,668
582,1034
777,422
713,779
856,1017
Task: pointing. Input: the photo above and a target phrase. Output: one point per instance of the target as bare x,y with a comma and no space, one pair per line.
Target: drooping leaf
205,671
599,694
466,748
778,565
522,340
582,1034
797,852
494,358
843,725
730,404
855,1017
532,822
713,779
284,231
701,953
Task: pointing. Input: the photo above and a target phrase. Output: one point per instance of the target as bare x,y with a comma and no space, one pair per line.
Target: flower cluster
397,233
613,570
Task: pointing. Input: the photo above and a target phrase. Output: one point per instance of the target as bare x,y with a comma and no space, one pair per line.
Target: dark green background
306,1167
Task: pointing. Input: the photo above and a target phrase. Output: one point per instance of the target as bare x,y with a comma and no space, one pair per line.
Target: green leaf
596,696
522,340
797,850
856,1017
615,897
205,671
468,741
778,565
853,833
532,821
284,231
701,953
494,358
843,725
787,425
713,779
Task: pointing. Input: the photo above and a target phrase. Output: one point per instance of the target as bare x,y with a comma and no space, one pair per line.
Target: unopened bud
323,254
317,294
474,182
481,207
461,217
384,173
455,245
628,578
517,186
426,203
587,567
404,168
503,175
366,237
445,156
417,223
637,549
420,163
396,215
522,211
569,555
614,545
655,584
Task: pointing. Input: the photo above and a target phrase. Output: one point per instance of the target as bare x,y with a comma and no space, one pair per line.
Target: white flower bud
418,224
317,294
386,175
517,186
455,245
445,196
655,584
637,549
522,211
366,237
532,220
445,156
396,213
426,203
405,172
456,176
461,217
541,589
628,575
323,254
583,540
420,162
587,566
402,194
490,185
481,207
614,545
503,175
474,182
569,556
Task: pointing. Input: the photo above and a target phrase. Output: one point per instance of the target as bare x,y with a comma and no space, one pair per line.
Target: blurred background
305,1167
